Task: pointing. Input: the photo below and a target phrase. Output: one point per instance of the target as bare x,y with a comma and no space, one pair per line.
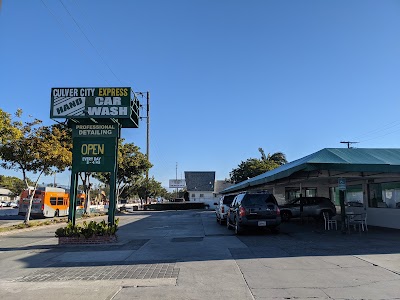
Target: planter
97,239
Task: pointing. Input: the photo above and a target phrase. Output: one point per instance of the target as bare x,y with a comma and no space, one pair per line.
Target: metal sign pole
73,192
113,184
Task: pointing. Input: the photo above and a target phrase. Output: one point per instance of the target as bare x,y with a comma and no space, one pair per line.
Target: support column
73,192
113,184
342,211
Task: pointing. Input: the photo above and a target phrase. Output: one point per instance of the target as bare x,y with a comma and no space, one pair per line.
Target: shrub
87,230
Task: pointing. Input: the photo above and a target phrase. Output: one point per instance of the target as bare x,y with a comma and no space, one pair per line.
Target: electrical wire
84,34
70,37
378,130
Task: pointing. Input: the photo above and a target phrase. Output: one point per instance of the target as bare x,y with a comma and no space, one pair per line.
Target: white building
200,186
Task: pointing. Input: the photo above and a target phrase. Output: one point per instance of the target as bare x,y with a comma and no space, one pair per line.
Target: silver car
307,207
222,208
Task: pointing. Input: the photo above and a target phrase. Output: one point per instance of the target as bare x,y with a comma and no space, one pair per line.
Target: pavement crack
115,294
244,278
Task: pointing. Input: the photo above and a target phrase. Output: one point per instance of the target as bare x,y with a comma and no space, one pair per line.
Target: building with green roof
372,178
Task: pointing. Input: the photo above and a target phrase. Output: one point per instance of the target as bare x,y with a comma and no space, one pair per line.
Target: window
193,195
353,195
293,193
60,201
53,200
311,192
201,195
384,195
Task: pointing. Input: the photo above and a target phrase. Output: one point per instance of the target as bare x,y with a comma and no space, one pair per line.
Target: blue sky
225,76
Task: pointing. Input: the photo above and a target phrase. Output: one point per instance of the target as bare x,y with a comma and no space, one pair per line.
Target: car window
228,199
258,199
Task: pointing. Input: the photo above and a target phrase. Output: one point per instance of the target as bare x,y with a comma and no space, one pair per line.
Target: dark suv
254,210
312,207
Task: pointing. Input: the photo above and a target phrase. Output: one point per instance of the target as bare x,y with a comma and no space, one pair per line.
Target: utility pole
348,143
176,177
147,138
148,142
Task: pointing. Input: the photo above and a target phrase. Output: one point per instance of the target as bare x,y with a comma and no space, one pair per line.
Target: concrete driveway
188,255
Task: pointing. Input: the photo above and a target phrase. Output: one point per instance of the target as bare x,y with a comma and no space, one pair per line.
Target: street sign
177,183
342,184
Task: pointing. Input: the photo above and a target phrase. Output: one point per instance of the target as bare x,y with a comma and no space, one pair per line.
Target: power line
380,129
73,41
81,30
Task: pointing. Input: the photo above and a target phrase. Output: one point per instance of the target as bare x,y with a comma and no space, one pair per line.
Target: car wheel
285,215
238,228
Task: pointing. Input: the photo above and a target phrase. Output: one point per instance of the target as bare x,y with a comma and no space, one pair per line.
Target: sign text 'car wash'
90,102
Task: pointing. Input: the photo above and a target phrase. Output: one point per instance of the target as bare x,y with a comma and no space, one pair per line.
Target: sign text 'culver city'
90,102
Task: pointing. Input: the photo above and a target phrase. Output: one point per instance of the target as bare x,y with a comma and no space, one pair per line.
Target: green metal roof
338,159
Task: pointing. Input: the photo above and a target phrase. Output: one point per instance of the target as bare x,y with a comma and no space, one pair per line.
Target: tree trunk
28,213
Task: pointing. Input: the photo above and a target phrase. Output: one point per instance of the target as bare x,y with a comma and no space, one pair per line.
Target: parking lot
188,255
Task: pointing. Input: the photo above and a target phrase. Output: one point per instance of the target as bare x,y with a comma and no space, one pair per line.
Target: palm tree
277,157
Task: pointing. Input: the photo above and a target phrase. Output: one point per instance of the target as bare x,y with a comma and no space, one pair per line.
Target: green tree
132,165
153,187
8,126
36,149
277,157
14,184
254,166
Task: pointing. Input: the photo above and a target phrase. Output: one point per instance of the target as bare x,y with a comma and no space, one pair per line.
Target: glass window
311,192
354,195
60,201
384,195
53,200
193,195
201,195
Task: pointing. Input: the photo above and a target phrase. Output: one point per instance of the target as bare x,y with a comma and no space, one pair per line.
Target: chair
360,221
328,221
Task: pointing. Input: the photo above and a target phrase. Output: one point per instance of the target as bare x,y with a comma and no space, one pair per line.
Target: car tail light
42,206
222,209
242,211
278,211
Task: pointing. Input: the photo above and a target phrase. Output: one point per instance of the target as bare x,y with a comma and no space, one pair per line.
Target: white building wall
383,217
208,197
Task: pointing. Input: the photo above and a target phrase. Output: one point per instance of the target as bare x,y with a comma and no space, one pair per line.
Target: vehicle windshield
228,199
258,199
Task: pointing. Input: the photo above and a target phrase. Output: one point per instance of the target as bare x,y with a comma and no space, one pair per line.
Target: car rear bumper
256,223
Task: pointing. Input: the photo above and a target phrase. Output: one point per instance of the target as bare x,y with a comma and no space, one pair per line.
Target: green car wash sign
75,103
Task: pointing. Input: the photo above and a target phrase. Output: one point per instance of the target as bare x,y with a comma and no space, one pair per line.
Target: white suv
222,208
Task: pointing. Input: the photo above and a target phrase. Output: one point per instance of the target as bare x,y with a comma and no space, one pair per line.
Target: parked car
14,204
254,210
222,208
312,207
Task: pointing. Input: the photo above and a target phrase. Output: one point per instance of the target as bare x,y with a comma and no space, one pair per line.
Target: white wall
383,217
208,197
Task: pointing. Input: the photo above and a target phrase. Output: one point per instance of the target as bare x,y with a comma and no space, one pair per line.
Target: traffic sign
342,184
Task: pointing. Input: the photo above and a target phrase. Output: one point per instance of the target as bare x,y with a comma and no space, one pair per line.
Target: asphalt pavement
188,255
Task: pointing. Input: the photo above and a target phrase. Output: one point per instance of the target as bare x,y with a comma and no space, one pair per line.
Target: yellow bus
48,202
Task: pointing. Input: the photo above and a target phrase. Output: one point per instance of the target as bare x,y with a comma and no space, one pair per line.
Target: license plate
262,223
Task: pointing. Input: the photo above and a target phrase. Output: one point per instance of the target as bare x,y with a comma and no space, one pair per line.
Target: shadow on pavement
177,236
